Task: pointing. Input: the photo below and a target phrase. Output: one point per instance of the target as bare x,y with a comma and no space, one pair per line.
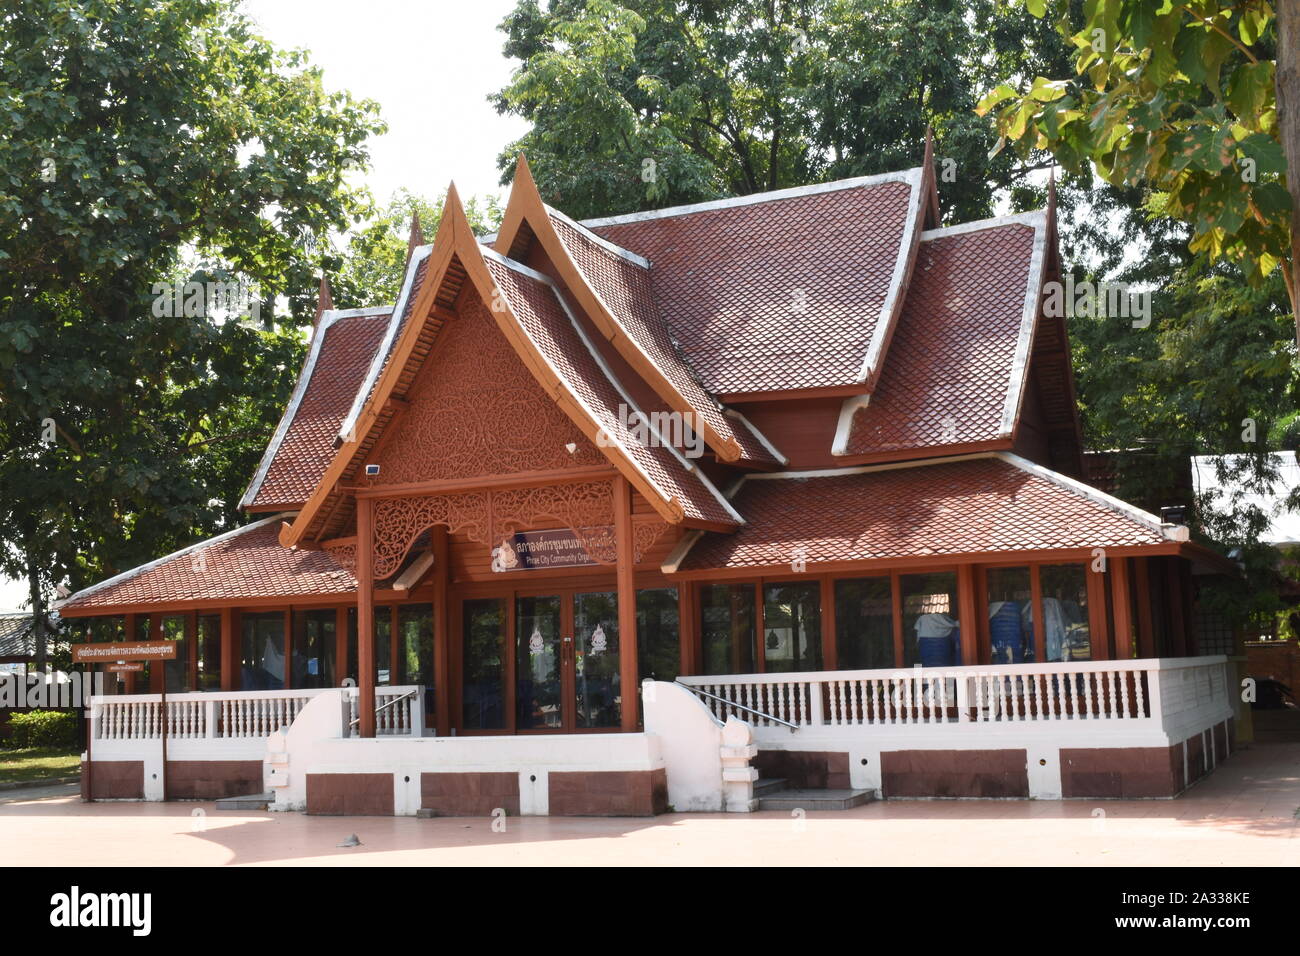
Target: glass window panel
383,646
177,672
483,665
658,634
792,627
596,661
1011,627
314,646
262,651
538,688
931,630
1065,612
105,630
141,680
208,651
864,624
415,631
727,628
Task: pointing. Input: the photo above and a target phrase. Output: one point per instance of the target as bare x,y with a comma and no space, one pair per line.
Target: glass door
540,655
597,696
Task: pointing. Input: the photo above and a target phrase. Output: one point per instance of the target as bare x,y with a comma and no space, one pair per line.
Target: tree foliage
646,103
147,142
1180,98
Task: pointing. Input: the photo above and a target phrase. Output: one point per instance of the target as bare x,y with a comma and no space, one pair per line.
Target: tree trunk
35,594
1287,81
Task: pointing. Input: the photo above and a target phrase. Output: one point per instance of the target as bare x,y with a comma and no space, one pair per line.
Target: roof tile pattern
949,368
625,288
247,564
308,444
543,319
970,506
775,295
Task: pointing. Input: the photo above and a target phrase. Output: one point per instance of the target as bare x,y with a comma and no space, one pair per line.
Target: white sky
430,66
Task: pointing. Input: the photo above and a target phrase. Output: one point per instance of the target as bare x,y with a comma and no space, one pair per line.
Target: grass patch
37,763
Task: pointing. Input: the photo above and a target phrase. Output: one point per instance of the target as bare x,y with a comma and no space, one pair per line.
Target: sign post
124,656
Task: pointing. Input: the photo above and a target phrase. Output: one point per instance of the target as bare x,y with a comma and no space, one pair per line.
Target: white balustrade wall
1152,693
237,715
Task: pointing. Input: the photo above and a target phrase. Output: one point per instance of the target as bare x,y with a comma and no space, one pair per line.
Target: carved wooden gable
476,411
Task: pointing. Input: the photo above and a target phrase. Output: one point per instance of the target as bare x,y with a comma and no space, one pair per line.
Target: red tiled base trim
1122,772
805,769
350,794
212,779
609,793
115,779
954,773
469,794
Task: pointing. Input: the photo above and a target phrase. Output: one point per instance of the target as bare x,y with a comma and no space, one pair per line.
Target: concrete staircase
251,801
776,794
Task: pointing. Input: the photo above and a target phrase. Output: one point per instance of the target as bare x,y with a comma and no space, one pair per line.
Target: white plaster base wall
691,742
315,744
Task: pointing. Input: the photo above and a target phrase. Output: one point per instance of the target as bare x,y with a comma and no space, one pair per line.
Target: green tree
370,270
146,142
1199,102
645,103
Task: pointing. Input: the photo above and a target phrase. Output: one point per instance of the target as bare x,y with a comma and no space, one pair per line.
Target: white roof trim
356,313
418,255
1029,319
894,298
1109,502
678,554
844,426
605,244
407,579
762,439
773,196
327,320
1013,219
631,404
127,575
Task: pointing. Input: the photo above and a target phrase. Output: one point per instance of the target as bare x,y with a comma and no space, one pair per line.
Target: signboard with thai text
124,651
530,550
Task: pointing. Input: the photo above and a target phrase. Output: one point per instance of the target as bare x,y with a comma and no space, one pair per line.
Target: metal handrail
732,703
395,700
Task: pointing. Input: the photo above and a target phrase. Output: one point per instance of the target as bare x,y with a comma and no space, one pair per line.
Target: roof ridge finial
324,301
417,235
929,146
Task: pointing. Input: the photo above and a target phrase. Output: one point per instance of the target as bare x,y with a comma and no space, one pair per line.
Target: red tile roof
624,287
957,360
972,505
544,318
785,290
303,444
246,563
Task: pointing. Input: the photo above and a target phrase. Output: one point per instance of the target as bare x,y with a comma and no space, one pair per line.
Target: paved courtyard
1243,814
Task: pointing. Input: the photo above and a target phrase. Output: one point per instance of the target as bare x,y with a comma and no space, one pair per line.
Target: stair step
765,785
252,801
814,800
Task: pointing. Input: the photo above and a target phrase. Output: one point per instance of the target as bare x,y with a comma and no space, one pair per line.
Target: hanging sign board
530,550
124,651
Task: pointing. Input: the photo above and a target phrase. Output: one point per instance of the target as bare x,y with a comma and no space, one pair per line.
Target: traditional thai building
805,459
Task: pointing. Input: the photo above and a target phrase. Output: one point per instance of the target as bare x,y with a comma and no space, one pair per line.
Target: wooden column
231,674
969,613
1177,619
1098,632
830,653
687,632
627,676
441,616
1146,631
896,601
1121,601
365,618
130,636
1036,612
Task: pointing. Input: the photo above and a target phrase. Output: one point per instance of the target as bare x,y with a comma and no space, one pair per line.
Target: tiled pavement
1243,814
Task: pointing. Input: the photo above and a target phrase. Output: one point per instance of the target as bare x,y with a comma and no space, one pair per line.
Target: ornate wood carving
476,410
